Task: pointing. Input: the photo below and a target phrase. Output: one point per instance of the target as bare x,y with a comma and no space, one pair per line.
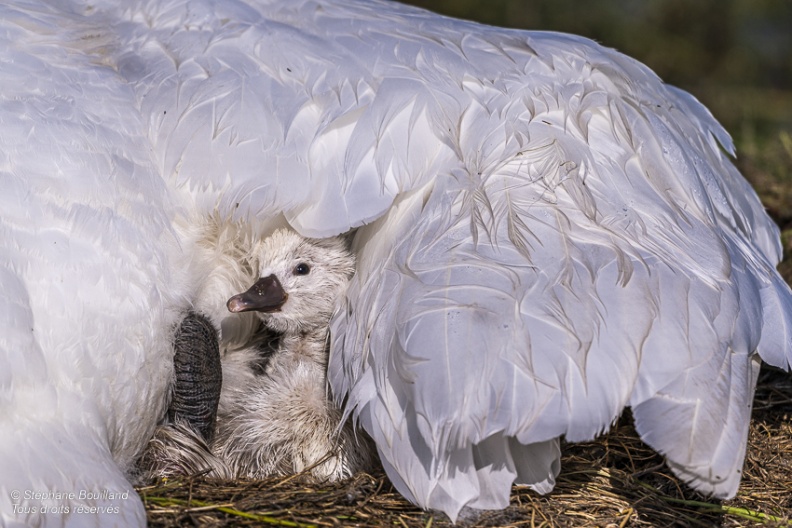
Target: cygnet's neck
316,336
308,343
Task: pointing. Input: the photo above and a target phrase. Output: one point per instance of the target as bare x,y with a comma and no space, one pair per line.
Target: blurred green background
734,55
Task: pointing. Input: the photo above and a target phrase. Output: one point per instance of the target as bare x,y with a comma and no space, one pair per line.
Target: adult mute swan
548,234
91,280
275,415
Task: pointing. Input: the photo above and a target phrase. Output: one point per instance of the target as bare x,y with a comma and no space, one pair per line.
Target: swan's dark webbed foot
199,375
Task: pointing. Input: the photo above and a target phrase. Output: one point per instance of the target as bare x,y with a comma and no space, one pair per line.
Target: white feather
90,280
549,233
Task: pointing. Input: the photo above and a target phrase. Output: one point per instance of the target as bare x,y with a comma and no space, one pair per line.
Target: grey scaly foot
199,375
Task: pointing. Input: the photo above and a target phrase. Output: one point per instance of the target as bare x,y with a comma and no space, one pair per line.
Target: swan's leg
199,375
181,447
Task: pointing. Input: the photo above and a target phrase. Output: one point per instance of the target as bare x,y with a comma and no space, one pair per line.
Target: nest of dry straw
615,481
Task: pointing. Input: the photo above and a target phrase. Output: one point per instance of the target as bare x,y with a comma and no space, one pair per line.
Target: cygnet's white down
276,416
547,234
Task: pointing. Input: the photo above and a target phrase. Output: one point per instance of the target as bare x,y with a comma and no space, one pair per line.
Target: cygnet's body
275,415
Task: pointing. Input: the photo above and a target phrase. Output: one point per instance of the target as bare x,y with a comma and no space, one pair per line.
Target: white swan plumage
89,279
548,234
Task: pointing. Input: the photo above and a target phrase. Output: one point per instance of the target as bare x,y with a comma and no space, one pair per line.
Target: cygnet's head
300,280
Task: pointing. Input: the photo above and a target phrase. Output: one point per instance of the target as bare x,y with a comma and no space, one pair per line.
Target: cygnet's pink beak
266,295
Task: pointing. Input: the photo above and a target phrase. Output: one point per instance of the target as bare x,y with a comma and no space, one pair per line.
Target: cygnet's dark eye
302,269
